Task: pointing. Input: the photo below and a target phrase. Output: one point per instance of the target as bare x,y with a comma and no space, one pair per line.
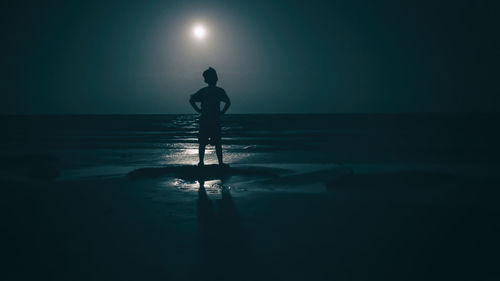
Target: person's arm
227,103
193,101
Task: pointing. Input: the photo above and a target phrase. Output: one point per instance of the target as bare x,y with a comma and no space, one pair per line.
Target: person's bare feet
201,164
223,165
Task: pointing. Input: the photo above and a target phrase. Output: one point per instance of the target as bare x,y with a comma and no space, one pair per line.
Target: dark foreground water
308,197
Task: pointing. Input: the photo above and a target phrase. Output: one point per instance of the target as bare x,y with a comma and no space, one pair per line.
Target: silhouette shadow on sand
223,242
208,172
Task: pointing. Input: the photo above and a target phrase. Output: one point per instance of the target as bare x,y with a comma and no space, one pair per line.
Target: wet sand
254,223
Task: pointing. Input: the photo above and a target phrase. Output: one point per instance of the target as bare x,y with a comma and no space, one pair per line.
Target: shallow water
99,145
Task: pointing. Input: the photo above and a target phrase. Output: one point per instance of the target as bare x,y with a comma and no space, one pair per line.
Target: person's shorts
210,133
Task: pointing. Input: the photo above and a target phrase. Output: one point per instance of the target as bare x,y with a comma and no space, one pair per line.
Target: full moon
199,32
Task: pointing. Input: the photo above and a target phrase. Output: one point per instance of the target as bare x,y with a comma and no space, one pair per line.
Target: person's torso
210,102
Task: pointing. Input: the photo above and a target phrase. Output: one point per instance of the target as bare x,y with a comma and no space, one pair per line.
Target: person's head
210,76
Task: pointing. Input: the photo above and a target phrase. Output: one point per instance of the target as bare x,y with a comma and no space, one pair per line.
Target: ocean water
106,145
400,196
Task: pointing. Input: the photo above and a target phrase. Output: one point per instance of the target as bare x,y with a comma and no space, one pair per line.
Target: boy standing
210,98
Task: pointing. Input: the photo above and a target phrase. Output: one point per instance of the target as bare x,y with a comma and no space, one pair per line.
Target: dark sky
271,56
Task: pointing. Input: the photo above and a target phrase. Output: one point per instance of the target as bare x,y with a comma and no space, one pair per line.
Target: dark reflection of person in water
210,98
223,241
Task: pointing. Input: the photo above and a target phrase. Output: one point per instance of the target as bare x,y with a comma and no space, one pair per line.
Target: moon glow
199,32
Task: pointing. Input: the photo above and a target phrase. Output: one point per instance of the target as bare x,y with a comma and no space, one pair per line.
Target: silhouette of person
210,98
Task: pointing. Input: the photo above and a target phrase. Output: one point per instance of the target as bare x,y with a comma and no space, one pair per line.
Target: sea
307,197
83,146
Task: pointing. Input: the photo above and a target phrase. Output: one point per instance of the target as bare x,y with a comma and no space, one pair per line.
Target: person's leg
203,141
218,150
216,138
201,154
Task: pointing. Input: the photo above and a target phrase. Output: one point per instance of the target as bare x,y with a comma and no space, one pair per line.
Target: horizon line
265,113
